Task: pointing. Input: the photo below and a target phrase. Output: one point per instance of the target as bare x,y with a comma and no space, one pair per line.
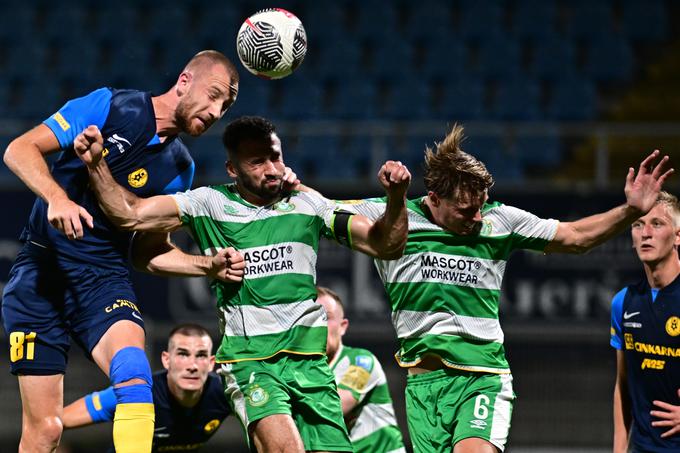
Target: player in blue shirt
645,331
71,280
188,398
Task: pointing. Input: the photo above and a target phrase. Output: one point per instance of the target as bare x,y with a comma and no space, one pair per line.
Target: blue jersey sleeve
615,336
182,182
79,113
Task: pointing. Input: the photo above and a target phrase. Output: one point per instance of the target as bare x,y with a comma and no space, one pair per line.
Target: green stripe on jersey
279,243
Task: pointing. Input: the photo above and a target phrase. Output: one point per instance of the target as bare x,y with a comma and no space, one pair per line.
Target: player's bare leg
474,445
42,401
120,354
276,434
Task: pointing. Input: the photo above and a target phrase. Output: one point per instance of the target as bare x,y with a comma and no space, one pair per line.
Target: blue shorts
47,299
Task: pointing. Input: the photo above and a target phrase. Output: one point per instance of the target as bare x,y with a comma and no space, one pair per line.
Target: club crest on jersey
256,395
486,228
138,178
211,426
673,326
283,206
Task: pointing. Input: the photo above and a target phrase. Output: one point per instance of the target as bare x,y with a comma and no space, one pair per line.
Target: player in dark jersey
71,280
188,397
645,332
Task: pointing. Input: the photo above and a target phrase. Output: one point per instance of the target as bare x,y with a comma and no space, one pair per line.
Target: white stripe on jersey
416,324
250,320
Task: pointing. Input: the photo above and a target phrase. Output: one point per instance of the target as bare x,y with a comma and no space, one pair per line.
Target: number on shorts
481,410
16,345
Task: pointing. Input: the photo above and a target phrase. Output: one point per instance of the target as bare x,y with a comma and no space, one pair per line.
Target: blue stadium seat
478,18
20,25
375,18
645,20
169,22
354,99
517,99
590,19
300,98
573,99
426,18
534,19
498,57
63,21
39,98
501,162
220,22
460,99
409,99
609,59
552,57
253,98
323,154
119,17
391,58
444,58
542,151
76,59
338,59
25,58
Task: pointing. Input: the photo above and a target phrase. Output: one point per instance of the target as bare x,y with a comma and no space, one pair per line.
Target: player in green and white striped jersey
445,291
362,385
274,334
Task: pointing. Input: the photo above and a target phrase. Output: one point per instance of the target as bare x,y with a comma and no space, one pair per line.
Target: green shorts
301,386
446,406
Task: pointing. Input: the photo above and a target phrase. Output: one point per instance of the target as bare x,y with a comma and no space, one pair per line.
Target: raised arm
126,210
386,237
622,414
25,156
641,192
155,253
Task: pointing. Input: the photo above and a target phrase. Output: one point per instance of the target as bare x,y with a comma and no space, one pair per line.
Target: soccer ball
271,43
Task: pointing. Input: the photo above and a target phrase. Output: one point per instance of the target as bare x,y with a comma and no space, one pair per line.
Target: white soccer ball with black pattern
271,43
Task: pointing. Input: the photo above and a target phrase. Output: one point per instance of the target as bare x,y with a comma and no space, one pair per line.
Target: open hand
643,189
669,415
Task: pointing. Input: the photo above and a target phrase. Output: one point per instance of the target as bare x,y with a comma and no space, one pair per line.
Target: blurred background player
71,280
188,397
445,291
362,386
645,331
274,334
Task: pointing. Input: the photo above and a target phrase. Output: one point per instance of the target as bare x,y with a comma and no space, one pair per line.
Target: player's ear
212,362
183,83
231,171
344,324
434,198
165,359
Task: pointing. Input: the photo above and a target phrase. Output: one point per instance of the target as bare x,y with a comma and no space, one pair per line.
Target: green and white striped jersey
445,290
273,309
372,424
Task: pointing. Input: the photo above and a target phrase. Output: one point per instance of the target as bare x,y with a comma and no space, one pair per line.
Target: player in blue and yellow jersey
645,332
188,398
72,280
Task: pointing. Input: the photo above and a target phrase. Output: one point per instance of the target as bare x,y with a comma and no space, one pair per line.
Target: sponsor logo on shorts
121,303
478,424
61,121
256,395
138,178
673,326
211,426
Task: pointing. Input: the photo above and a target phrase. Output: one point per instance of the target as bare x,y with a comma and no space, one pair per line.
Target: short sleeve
615,332
79,113
528,230
182,182
371,208
193,203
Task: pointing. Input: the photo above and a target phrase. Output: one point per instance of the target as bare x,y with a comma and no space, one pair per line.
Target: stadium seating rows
429,60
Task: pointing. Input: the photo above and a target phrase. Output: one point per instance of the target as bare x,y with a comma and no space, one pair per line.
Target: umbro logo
627,315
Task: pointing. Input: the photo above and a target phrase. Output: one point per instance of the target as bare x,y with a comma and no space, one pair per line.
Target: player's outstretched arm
155,253
622,414
25,156
641,192
669,417
125,210
95,407
386,237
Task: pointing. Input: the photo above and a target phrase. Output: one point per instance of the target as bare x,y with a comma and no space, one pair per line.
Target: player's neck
663,273
164,107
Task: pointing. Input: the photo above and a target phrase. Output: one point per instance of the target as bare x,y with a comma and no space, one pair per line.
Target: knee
46,431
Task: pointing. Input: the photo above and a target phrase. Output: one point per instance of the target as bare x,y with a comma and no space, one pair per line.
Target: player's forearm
389,233
76,414
27,162
119,205
622,418
177,263
583,235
